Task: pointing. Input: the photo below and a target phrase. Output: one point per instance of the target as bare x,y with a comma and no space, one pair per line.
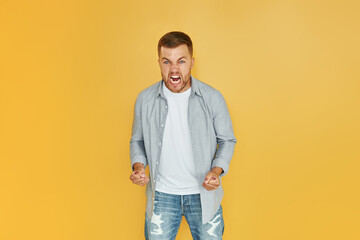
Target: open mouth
175,79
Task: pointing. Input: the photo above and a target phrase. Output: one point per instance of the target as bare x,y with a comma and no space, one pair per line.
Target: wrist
138,166
217,170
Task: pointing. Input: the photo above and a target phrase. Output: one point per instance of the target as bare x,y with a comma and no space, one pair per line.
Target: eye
166,62
181,61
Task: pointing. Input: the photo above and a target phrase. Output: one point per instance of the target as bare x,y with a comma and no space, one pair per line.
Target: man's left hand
212,180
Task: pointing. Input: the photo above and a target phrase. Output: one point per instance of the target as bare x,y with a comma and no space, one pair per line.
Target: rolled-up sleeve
224,134
137,148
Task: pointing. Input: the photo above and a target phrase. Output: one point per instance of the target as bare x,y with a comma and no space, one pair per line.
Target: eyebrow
164,58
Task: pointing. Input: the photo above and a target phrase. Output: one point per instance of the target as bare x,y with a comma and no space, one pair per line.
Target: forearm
217,170
224,155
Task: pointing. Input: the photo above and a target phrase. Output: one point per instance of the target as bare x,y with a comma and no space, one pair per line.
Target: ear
192,62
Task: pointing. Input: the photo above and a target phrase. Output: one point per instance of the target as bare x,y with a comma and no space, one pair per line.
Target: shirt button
165,106
162,125
157,162
159,143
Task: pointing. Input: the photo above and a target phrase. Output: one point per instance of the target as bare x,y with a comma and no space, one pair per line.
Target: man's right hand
138,176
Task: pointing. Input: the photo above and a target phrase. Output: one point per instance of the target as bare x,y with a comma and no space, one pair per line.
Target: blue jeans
168,212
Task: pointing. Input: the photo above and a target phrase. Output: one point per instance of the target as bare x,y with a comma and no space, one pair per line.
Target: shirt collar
194,88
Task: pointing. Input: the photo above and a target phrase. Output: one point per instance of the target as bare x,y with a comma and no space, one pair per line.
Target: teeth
175,79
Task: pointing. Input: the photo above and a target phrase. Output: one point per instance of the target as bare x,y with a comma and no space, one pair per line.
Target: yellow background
69,75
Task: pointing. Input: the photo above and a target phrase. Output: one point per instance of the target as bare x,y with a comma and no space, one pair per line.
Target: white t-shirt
177,173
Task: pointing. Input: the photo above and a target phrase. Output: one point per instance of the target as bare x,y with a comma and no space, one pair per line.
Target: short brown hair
175,39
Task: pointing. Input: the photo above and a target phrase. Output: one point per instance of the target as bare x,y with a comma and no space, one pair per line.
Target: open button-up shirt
211,131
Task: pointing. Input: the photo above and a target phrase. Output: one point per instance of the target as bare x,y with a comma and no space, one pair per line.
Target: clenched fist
138,176
212,180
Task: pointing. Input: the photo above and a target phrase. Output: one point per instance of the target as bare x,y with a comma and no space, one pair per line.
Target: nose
174,68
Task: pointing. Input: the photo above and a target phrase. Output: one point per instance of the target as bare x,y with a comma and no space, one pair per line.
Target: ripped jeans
168,212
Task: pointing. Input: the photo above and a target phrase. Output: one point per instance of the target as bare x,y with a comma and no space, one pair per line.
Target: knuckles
137,179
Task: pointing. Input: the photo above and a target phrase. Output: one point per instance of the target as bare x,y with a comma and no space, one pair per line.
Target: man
182,130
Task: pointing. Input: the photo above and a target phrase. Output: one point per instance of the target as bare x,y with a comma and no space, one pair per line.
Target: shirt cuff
218,162
138,160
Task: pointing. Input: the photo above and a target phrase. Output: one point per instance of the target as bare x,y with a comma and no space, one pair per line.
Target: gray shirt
211,131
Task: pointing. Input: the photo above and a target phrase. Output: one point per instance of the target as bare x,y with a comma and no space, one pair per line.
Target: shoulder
149,93
212,98
208,92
